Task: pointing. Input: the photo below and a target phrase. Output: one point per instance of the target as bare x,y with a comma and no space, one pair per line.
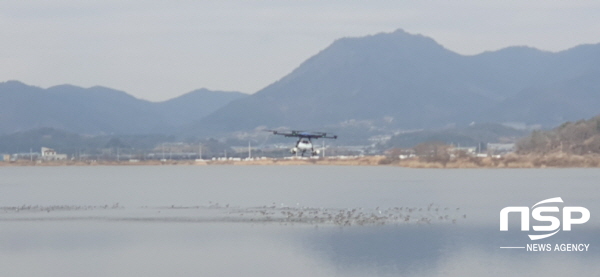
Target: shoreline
508,161
553,160
349,161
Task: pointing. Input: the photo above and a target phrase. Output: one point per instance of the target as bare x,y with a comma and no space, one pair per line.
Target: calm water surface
194,221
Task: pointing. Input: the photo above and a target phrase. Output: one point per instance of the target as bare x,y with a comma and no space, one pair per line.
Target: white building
500,148
49,154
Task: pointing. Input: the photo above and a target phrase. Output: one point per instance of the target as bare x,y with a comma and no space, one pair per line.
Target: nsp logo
536,213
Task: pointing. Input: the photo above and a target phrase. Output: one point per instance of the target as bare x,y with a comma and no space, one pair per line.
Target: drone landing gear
313,152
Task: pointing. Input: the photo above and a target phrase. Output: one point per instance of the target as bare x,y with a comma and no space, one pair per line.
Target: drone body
304,142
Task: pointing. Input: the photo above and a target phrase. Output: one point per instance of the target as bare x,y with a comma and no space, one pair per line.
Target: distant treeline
578,138
472,135
75,144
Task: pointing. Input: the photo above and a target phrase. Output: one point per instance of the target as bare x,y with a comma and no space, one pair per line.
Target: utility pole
249,151
200,150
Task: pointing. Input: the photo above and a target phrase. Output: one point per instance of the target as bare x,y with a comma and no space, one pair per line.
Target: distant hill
100,146
100,110
464,136
33,140
566,99
406,81
194,105
73,144
580,138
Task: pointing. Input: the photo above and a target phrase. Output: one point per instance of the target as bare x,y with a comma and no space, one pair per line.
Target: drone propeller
303,134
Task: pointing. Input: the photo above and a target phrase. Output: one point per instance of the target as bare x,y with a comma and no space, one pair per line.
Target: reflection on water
447,250
56,248
149,249
163,221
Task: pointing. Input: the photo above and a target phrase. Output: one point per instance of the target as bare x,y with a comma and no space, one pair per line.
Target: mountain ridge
409,78
100,110
386,81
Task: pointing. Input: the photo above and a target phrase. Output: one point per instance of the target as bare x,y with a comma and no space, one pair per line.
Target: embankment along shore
508,161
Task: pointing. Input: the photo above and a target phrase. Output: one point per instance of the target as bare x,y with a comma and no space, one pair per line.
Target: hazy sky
156,49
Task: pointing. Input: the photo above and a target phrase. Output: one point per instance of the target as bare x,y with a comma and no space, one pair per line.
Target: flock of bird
50,208
278,214
343,217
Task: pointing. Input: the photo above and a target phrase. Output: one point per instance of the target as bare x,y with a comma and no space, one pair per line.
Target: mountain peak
516,51
397,44
13,84
65,87
401,33
201,90
398,36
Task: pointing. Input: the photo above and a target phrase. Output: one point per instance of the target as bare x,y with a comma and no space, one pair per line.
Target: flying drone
304,140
